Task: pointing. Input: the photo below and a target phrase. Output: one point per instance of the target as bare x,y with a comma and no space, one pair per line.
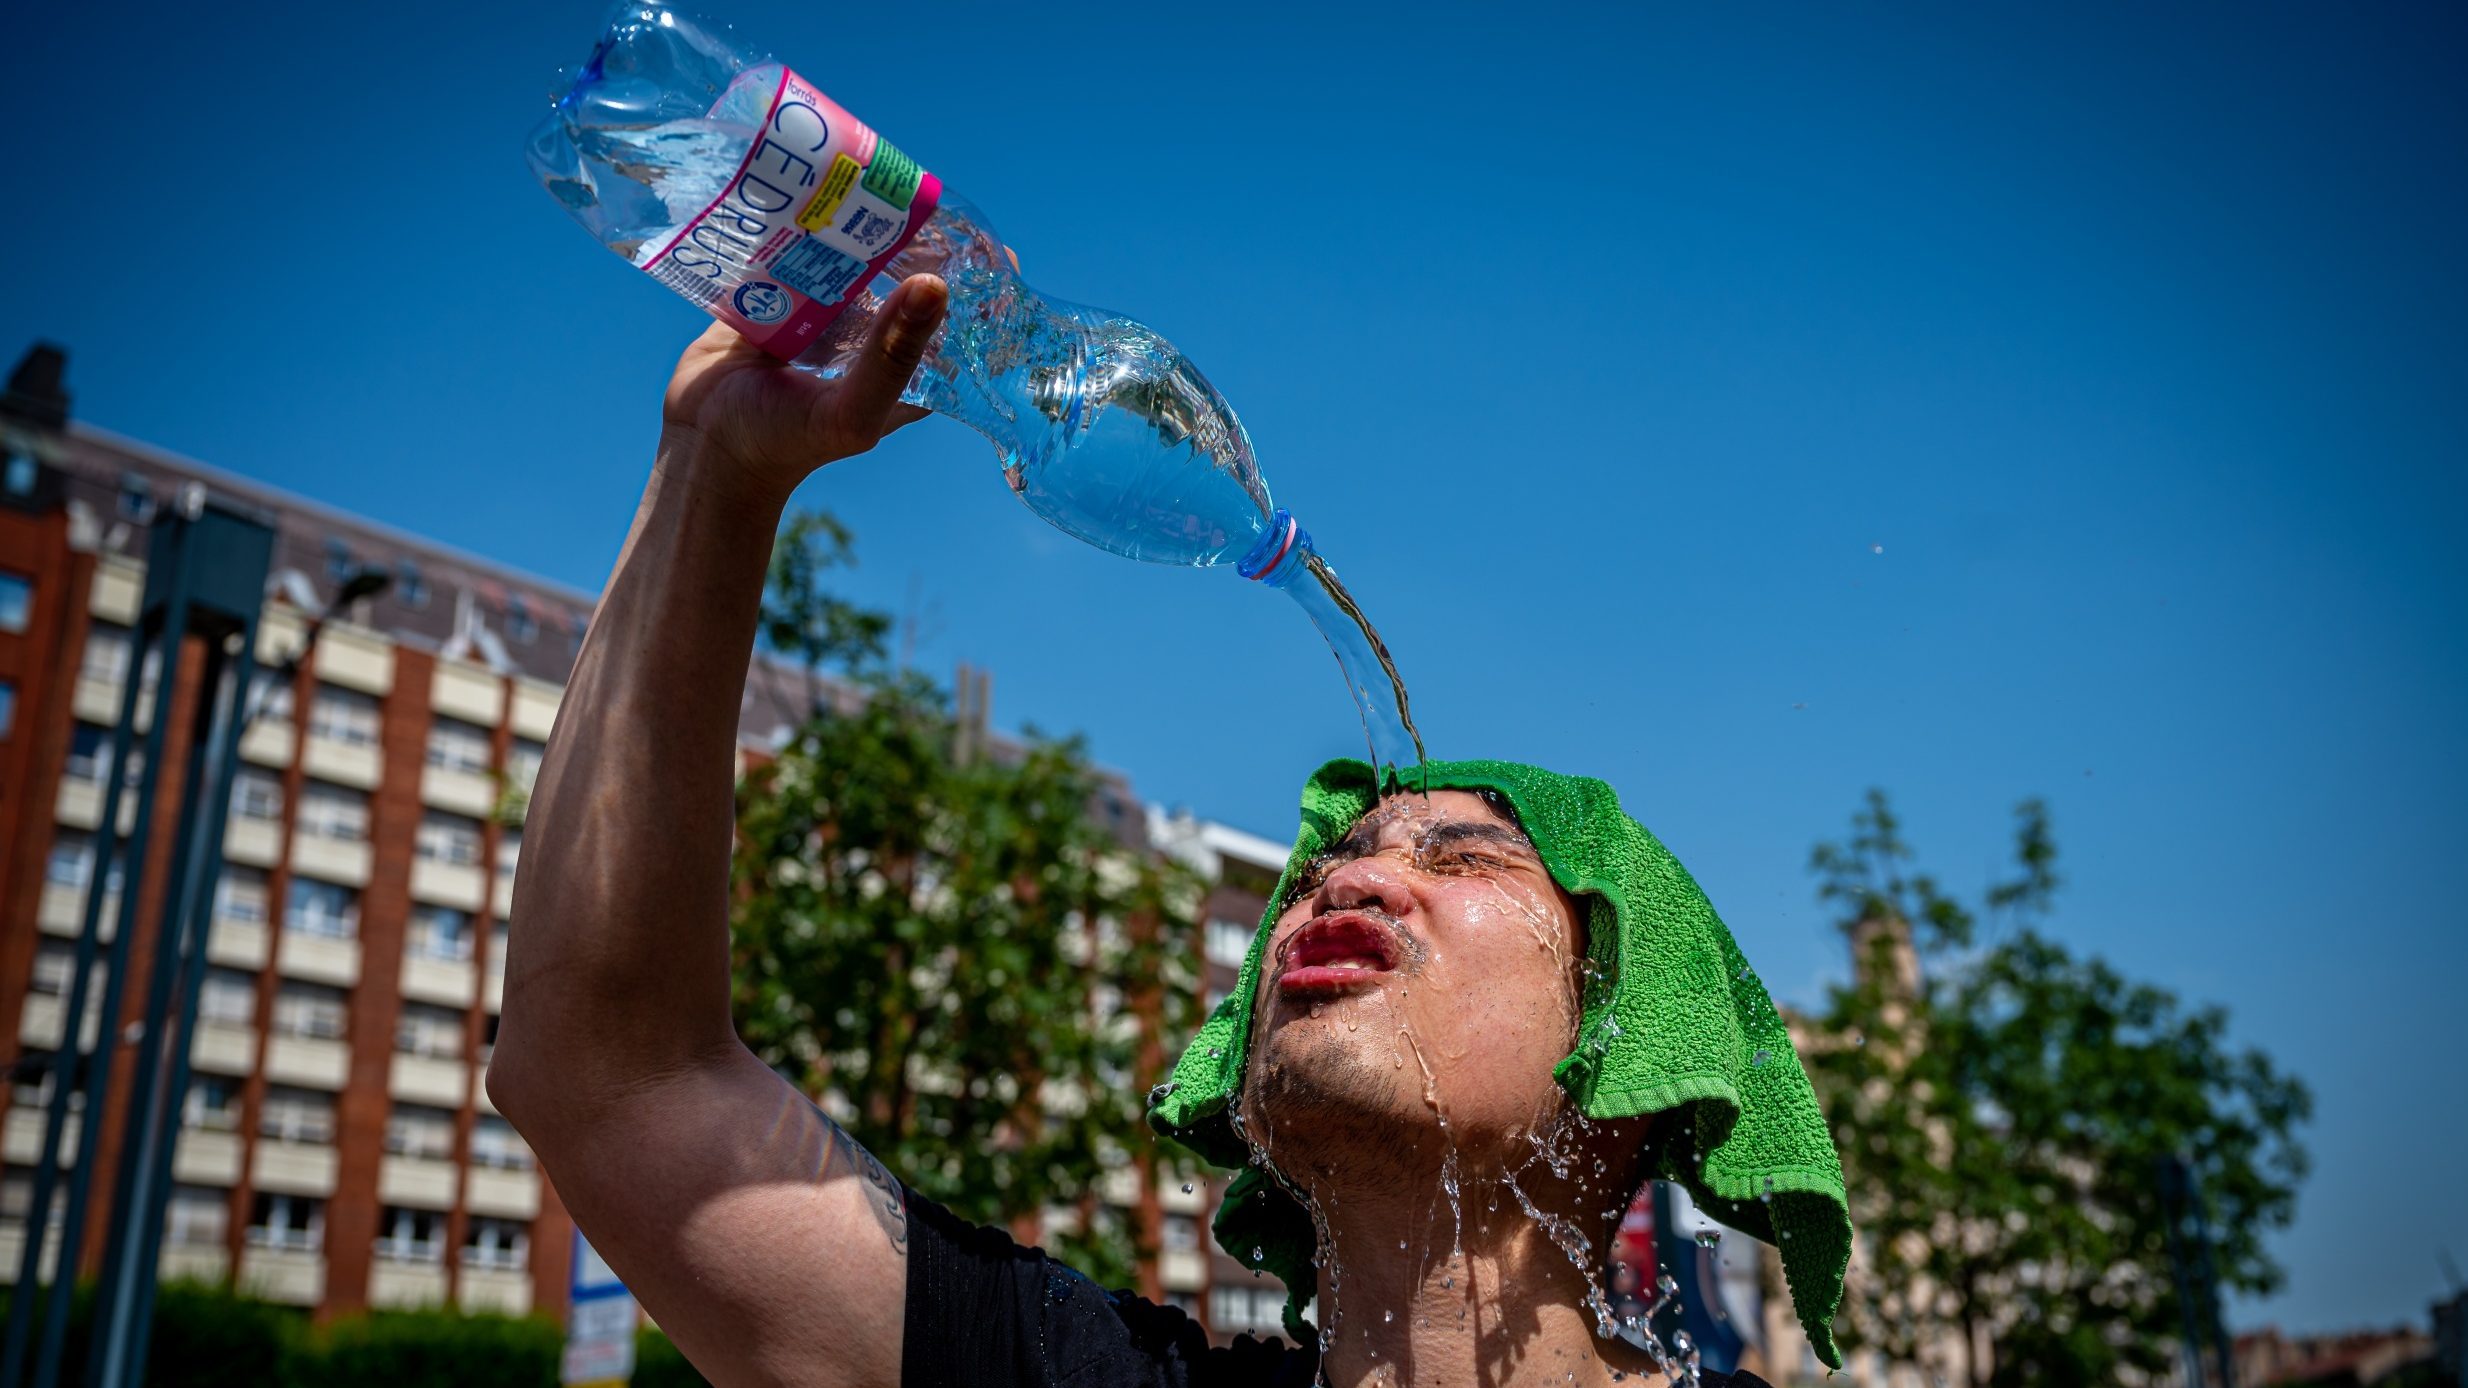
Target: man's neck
1417,1290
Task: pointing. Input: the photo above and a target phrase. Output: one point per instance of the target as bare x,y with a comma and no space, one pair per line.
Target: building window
523,762
308,1011
106,656
1228,942
344,715
20,474
497,949
30,1080
196,1217
228,996
331,812
53,963
240,895
440,932
338,560
322,908
416,1131
411,1236
454,745
297,1115
8,706
257,793
72,860
501,1244
16,601
410,585
435,1033
269,696
451,839
1235,1309
509,853
136,498
519,622
213,1104
89,758
1181,1234
296,1223
495,1143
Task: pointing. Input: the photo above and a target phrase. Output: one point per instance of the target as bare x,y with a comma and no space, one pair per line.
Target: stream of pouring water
1370,673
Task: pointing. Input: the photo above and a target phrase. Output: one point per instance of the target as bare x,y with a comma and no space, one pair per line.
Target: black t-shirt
984,1312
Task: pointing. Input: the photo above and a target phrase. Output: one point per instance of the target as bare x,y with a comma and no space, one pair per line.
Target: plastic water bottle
736,182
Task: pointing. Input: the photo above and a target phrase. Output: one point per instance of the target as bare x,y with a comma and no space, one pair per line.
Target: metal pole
166,573
146,1126
137,1305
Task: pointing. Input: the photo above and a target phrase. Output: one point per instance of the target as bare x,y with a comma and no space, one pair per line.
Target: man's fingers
893,347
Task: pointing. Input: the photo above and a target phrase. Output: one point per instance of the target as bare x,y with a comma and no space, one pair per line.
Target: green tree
2002,1109
946,944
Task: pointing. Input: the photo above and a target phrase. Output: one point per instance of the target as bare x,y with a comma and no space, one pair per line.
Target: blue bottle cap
1278,556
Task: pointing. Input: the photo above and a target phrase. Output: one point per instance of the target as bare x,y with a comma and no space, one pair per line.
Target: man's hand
770,425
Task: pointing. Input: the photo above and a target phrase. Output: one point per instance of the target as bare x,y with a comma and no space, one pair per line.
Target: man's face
1423,975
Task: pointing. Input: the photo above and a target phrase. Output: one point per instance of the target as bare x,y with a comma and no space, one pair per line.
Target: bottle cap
1279,554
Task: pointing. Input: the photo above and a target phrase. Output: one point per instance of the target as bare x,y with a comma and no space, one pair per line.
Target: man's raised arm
768,1244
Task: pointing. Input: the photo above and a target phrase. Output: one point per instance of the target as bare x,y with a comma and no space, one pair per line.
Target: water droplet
1876,549
1258,1253
1215,1051
1707,1238
1761,1057
1401,1245
1386,1316
1186,1187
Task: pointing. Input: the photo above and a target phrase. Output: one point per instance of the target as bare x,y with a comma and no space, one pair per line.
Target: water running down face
1421,982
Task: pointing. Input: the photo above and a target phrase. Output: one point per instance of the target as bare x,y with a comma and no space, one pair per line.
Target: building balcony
294,1168
501,897
396,1284
119,585
355,658
13,1247
280,637
238,944
63,912
479,1091
24,1140
1182,1270
319,958
493,989
421,1183
535,708
470,692
255,842
447,982
502,1194
463,792
193,1262
310,1062
288,1276
40,1026
343,763
1120,1186
98,701
496,1291
340,861
206,1158
223,1048
427,1080
447,884
267,743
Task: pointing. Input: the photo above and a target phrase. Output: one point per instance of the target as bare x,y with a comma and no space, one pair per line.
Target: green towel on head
1674,1019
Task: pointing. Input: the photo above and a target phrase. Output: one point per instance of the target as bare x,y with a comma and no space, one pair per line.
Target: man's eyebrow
1460,830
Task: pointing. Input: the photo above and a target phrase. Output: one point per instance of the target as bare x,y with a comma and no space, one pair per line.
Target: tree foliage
948,947
2002,1117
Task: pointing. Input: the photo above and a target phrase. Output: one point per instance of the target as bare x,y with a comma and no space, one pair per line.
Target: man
1388,1068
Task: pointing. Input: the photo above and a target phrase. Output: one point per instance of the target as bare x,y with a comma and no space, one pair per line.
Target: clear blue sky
1599,354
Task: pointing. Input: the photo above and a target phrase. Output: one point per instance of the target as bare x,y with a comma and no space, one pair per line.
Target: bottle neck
1283,552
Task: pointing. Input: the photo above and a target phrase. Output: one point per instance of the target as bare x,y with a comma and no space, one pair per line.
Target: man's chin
1319,1075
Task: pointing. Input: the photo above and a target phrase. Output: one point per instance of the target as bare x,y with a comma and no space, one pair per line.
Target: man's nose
1372,882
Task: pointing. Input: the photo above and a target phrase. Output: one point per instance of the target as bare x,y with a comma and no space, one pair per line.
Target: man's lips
1336,952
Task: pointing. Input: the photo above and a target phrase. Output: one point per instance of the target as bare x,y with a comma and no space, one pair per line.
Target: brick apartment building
338,1149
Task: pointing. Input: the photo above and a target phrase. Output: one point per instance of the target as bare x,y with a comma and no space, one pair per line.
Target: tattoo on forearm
843,1156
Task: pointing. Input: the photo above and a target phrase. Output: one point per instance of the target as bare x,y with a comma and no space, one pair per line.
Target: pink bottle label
819,206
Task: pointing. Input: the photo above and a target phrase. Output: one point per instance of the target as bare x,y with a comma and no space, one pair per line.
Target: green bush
430,1349
659,1364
